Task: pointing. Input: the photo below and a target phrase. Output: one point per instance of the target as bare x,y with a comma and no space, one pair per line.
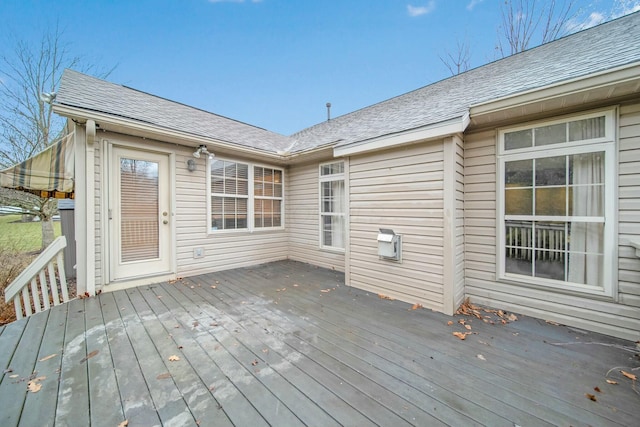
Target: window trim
329,178
251,228
606,144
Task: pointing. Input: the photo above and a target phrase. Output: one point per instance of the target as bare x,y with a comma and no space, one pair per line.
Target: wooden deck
288,344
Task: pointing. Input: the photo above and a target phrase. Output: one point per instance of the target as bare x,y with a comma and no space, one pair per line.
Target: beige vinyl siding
629,205
622,318
458,284
222,250
400,189
303,217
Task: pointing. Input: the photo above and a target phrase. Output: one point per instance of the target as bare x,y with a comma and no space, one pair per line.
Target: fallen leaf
461,335
213,324
628,375
159,296
383,296
191,286
513,317
173,358
195,323
213,286
164,376
89,356
551,322
51,356
254,363
295,285
468,327
125,423
34,386
14,376
481,357
612,382
325,290
416,306
450,322
591,397
597,389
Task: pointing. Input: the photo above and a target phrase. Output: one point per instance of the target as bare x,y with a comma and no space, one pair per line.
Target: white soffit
439,130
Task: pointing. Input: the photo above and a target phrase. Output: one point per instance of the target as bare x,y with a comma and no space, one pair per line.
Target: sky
273,63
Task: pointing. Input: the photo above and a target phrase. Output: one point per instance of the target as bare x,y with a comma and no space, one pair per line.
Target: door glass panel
139,231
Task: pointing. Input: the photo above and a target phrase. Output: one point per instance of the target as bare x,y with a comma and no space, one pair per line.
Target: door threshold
118,285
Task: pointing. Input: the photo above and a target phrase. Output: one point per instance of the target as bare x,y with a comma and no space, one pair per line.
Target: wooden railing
38,285
550,239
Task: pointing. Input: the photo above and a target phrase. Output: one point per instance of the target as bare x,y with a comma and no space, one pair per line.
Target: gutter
626,73
457,125
182,138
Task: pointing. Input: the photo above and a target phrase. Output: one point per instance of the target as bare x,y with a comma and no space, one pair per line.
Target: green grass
22,236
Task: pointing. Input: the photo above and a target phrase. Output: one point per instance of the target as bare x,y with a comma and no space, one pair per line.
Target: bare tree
458,61
525,22
27,123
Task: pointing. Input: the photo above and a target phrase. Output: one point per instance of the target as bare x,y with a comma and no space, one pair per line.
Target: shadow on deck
288,344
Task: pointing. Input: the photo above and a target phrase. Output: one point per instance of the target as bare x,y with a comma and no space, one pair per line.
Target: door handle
165,221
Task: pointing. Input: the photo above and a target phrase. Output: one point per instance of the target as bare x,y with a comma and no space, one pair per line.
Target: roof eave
151,131
456,125
628,75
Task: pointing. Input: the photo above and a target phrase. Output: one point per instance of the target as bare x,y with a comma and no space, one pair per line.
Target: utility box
67,224
389,245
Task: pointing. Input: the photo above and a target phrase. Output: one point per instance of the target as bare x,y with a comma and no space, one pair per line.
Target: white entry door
139,214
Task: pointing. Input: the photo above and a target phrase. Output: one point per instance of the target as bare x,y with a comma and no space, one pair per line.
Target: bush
13,262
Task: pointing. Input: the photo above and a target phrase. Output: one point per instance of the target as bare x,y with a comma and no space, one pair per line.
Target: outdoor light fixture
202,149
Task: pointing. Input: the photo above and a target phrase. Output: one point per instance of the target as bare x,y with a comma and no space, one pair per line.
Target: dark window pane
551,171
518,139
550,265
553,134
519,173
518,247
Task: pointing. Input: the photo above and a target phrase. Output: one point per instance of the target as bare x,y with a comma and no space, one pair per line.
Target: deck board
41,406
135,397
73,392
23,363
266,346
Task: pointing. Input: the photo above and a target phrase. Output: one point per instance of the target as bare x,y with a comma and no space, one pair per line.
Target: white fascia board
433,131
156,132
568,87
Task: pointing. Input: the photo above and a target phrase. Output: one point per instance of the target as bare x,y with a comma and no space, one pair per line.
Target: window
267,189
240,191
556,204
332,206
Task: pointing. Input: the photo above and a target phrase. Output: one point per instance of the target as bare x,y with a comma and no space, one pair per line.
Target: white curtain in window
339,208
586,238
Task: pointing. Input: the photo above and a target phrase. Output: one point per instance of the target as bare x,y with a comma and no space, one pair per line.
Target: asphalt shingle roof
607,46
89,93
601,48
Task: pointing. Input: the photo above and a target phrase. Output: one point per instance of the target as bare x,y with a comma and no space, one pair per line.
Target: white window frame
251,228
330,178
606,144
